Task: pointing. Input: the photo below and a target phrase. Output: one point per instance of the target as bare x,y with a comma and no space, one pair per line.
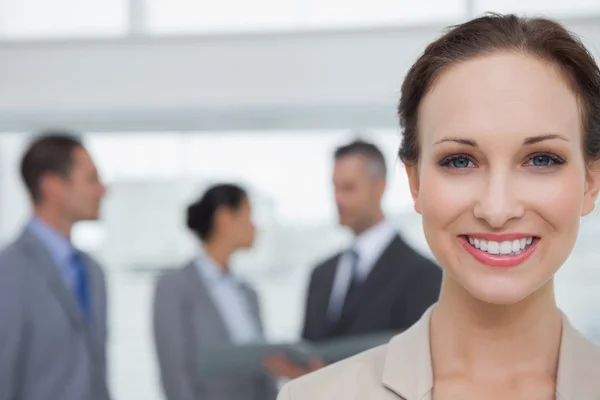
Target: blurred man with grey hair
379,284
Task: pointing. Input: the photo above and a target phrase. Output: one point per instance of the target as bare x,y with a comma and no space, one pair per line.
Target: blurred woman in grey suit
204,304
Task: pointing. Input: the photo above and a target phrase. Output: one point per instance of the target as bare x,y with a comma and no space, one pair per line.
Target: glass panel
178,16
556,8
21,19
183,16
374,12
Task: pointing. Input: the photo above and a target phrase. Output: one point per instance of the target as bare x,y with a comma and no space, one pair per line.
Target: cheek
557,198
442,198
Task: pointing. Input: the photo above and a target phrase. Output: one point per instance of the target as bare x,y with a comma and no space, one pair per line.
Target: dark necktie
353,287
80,285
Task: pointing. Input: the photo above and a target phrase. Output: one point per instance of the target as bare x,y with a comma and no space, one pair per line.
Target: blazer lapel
578,367
254,307
320,307
384,266
41,260
407,369
210,311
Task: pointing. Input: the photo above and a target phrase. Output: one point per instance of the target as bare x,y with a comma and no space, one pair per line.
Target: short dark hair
367,150
51,152
540,37
201,213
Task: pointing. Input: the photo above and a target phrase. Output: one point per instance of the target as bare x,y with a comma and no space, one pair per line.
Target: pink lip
500,237
497,260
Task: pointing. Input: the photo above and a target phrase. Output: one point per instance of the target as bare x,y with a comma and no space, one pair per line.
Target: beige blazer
401,370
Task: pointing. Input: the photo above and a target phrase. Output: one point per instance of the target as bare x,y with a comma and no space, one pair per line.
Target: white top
230,298
369,246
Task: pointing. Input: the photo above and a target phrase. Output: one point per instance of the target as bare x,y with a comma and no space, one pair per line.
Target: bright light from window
556,8
376,12
26,19
181,16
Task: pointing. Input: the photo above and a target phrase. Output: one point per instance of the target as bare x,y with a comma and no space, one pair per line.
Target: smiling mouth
505,248
500,253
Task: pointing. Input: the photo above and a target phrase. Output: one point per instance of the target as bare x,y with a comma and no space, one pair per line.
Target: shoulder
12,264
579,365
362,373
326,264
174,282
418,261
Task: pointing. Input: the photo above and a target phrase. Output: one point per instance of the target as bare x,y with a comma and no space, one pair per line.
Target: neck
53,219
376,218
481,341
219,252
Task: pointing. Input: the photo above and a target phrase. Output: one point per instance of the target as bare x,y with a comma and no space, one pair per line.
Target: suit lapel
199,291
386,264
252,302
407,368
41,261
320,307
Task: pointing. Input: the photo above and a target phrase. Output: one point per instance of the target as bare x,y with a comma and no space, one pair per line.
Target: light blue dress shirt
58,245
231,300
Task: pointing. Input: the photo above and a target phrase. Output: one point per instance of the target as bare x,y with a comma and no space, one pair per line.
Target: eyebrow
526,142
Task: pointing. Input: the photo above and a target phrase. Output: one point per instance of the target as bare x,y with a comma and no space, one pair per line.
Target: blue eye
544,160
457,162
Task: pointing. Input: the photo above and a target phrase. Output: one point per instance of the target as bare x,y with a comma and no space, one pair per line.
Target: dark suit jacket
399,289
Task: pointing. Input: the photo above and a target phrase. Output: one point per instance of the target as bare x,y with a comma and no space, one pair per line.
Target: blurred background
174,95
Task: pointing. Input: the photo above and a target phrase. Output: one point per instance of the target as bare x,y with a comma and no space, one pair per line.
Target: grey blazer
185,321
46,351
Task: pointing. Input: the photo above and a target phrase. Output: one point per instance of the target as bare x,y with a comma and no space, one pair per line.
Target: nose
498,202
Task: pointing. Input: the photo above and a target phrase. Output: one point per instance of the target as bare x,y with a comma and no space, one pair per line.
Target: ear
592,186
412,171
50,185
381,184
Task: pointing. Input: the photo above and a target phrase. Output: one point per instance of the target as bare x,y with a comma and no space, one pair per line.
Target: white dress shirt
369,246
231,301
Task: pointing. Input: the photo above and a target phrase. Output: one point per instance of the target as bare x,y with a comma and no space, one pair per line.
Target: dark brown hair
201,213
539,37
51,152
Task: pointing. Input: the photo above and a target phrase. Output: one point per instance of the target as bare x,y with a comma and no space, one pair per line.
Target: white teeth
511,247
493,247
516,246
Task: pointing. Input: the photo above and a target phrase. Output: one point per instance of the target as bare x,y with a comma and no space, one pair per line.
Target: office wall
335,79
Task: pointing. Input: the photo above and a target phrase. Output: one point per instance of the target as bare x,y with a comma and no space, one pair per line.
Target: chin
500,290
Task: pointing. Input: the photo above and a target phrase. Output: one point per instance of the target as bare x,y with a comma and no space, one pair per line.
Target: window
193,16
555,8
381,12
29,19
187,16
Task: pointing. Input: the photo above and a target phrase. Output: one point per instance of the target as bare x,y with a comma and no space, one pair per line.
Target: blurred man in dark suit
380,283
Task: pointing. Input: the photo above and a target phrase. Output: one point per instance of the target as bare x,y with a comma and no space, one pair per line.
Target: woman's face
501,181
241,227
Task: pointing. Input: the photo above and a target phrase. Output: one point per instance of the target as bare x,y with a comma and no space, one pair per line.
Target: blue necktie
80,285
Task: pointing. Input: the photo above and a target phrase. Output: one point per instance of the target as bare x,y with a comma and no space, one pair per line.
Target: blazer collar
408,371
